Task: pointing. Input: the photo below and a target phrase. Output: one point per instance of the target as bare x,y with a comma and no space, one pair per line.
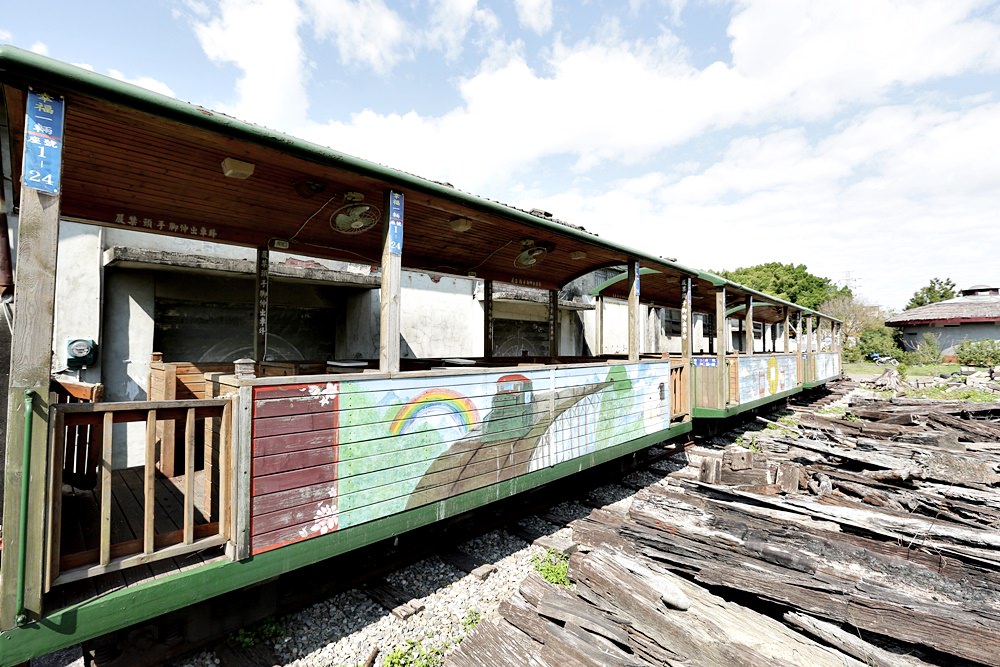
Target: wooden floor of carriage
80,534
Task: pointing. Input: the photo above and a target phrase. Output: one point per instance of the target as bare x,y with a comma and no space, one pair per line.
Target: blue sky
861,138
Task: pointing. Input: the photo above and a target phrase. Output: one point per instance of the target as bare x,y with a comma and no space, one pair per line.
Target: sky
860,138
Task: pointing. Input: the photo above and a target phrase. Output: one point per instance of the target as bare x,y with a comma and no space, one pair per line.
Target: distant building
974,315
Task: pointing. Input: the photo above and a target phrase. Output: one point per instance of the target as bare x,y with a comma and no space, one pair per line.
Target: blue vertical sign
43,129
395,223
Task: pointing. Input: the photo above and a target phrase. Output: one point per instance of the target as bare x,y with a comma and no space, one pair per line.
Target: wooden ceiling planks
124,166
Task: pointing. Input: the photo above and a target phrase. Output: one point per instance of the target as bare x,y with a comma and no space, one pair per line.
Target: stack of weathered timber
812,400
870,540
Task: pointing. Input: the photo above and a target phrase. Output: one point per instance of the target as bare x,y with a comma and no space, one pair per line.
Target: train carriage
221,474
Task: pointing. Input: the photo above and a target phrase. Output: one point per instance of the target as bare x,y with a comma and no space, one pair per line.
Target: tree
937,290
877,339
791,282
855,315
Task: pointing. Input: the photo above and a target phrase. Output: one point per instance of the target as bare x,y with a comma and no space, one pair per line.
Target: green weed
941,393
553,566
268,631
415,654
471,620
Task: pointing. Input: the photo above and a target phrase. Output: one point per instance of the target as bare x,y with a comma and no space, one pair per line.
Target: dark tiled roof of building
980,307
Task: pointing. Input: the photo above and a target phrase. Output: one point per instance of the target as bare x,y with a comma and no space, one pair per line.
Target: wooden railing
146,545
680,401
82,453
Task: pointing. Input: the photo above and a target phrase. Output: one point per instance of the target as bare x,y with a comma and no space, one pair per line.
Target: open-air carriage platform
214,474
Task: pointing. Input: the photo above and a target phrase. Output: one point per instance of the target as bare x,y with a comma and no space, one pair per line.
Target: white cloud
40,48
888,192
815,57
451,21
145,81
366,32
6,36
260,37
535,15
897,195
627,101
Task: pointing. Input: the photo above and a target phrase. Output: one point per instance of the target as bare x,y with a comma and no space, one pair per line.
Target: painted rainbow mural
456,403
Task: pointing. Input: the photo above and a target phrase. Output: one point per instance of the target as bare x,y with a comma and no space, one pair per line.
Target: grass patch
921,370
941,394
471,620
268,631
553,566
415,654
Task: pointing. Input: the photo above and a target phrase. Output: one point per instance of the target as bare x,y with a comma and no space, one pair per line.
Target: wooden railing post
149,487
107,448
189,477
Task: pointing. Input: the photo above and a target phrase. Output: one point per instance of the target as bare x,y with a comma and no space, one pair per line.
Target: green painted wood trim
710,413
733,410
717,281
643,271
818,383
743,306
127,606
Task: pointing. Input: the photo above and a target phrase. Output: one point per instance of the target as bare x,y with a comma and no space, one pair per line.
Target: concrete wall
125,350
79,275
654,331
116,236
357,331
950,337
440,316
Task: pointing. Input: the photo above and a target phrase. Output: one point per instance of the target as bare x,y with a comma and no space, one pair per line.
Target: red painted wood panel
294,424
293,442
283,500
303,515
294,467
263,485
270,465
298,405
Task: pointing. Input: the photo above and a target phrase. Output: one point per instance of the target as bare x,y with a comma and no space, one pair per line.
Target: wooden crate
286,368
178,380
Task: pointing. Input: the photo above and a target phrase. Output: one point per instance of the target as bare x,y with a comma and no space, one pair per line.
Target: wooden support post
748,341
799,366
240,485
30,368
599,327
784,331
634,317
810,359
553,323
711,339
687,321
392,251
262,291
721,332
488,342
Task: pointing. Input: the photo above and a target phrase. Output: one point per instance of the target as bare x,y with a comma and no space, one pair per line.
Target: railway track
434,581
